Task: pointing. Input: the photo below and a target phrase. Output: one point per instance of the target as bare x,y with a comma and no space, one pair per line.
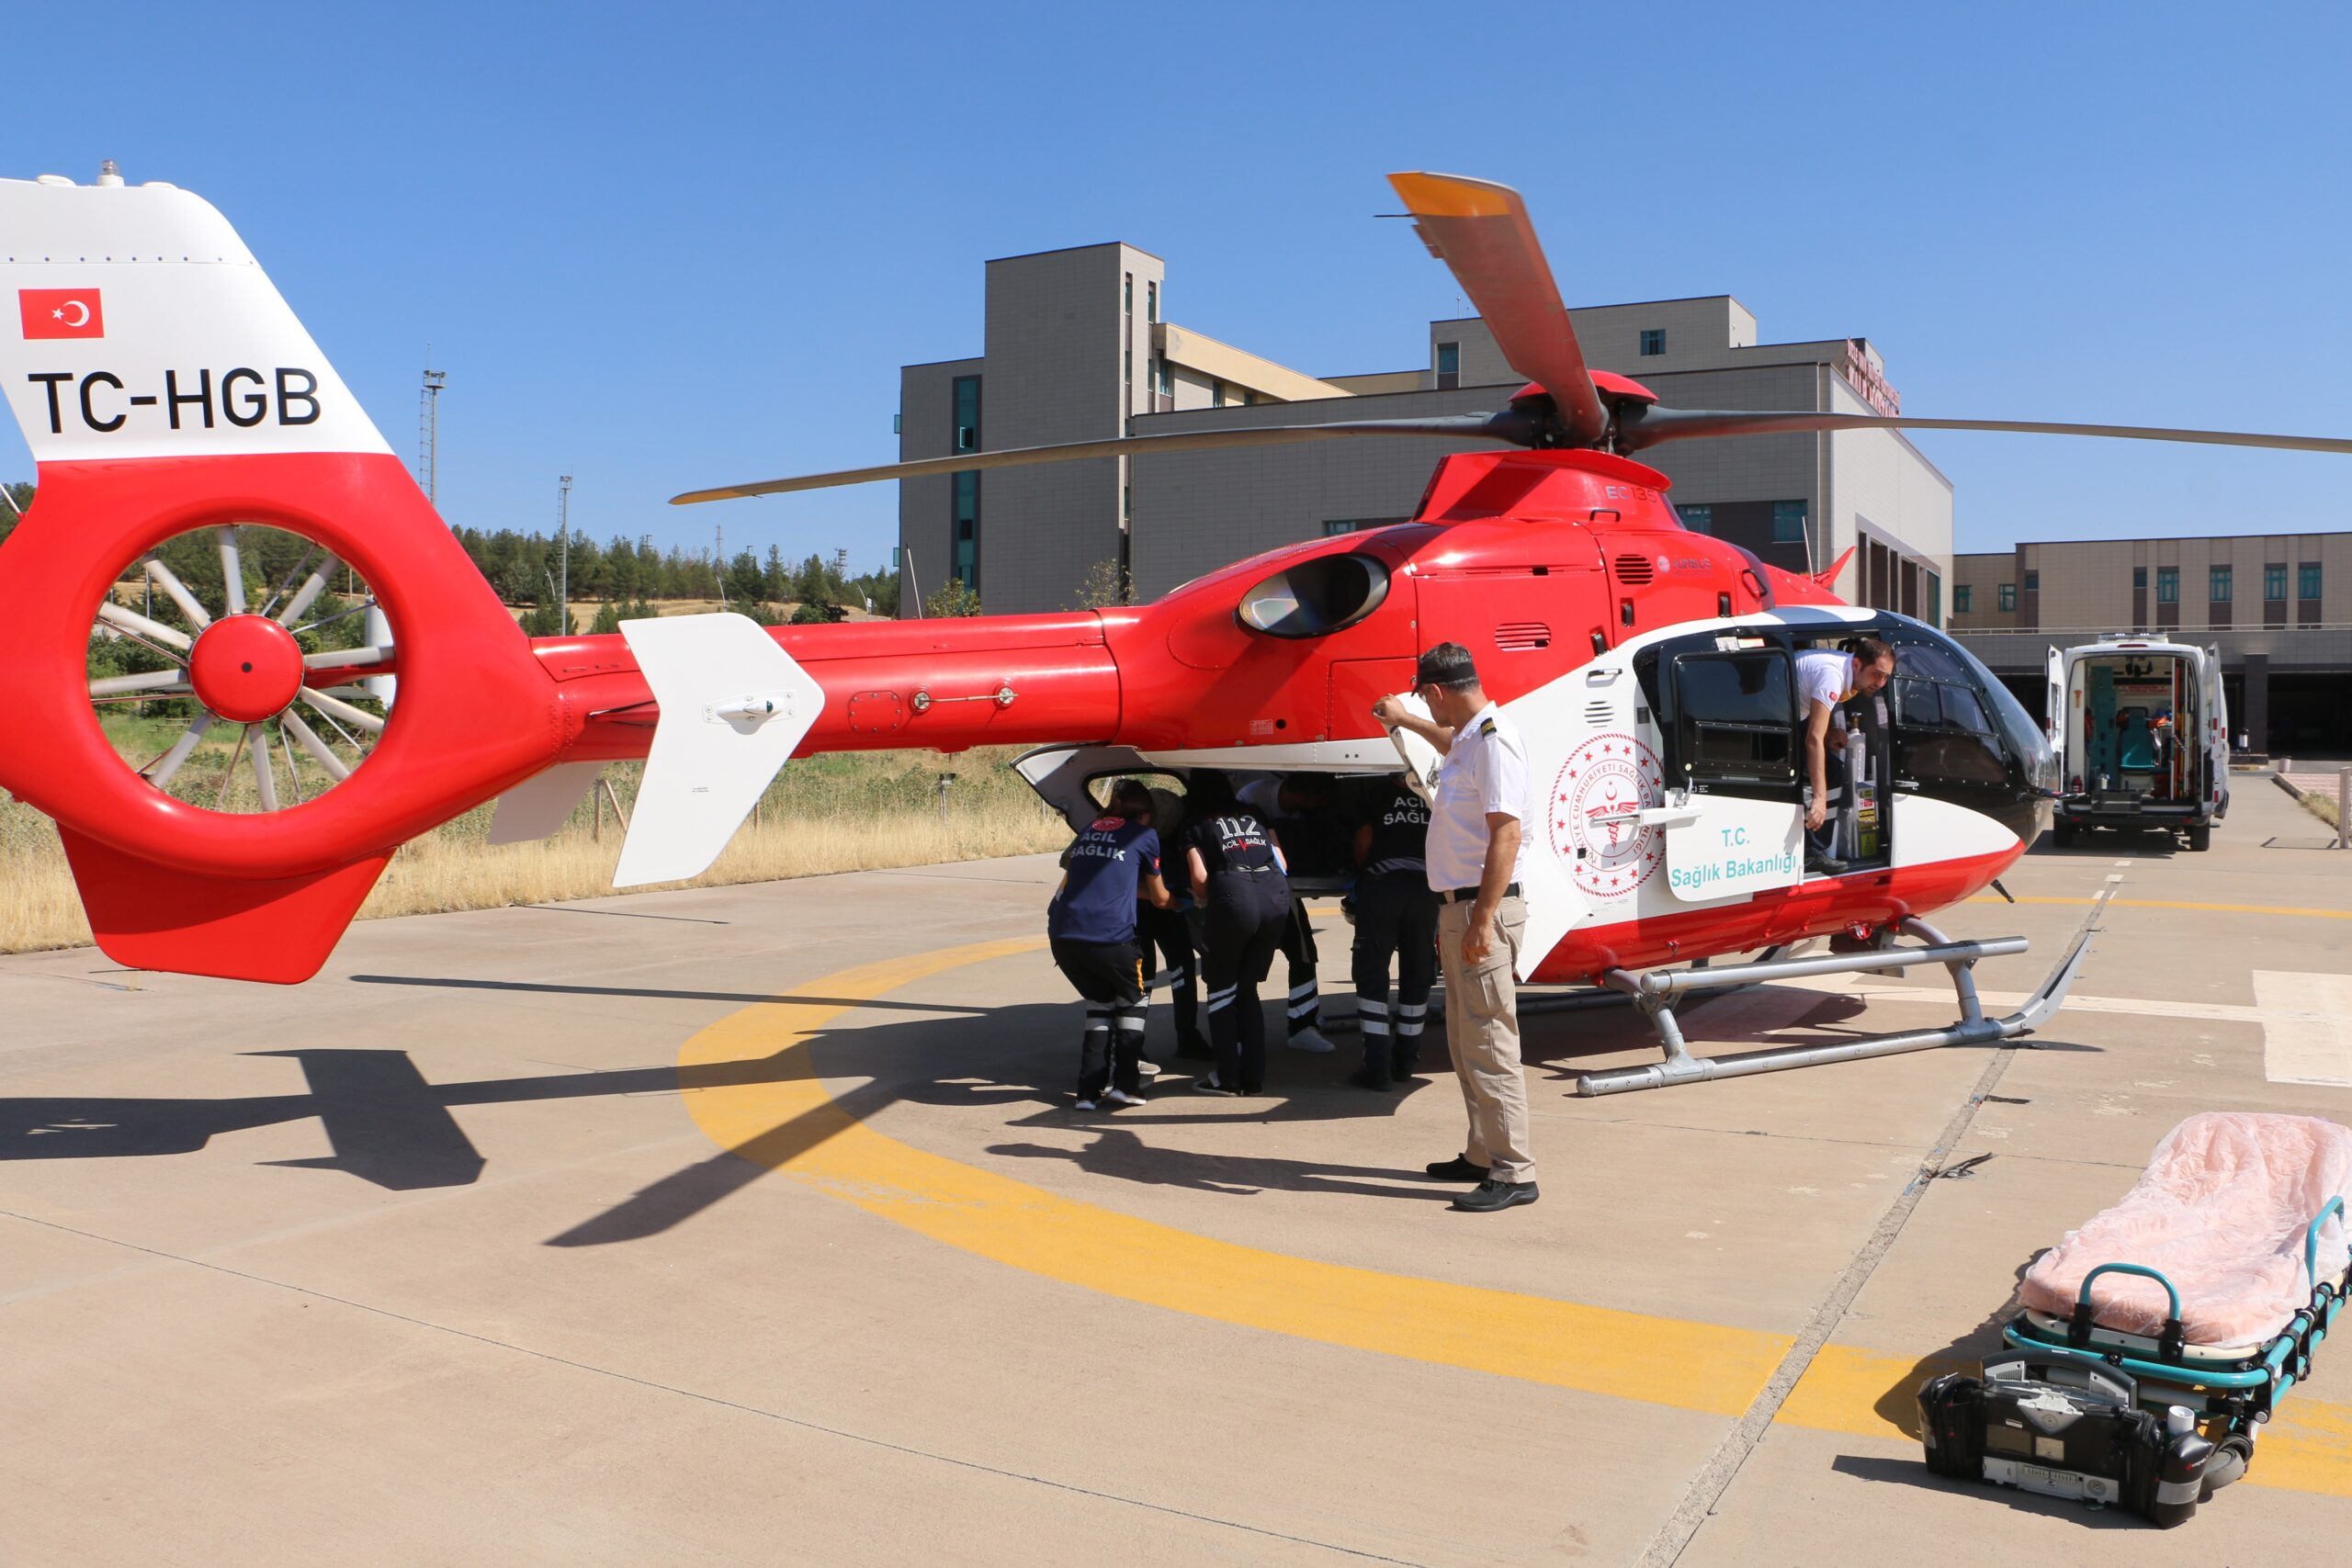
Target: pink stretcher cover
2221,1211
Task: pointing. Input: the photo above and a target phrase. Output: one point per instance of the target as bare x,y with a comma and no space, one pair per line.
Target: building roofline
2174,540
1060,250
1622,304
958,359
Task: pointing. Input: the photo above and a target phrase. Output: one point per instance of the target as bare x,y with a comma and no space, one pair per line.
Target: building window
967,530
1248,396
1338,525
2168,585
1128,368
1935,600
2307,580
1962,594
1127,502
968,413
2139,579
1167,380
2220,579
1127,294
1653,340
2274,583
1449,367
894,423
2033,582
2008,597
1151,300
1697,516
1216,394
1788,521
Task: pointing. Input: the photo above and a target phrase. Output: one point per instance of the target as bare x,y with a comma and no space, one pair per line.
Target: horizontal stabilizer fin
733,706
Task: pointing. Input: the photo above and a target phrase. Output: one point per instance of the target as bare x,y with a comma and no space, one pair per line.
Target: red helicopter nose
246,668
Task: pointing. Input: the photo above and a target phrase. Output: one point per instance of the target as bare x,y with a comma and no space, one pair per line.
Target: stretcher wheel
2232,1458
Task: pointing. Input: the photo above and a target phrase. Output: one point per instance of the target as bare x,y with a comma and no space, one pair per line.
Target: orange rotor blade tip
1452,195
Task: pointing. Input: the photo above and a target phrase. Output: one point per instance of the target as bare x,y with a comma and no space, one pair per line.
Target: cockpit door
2054,709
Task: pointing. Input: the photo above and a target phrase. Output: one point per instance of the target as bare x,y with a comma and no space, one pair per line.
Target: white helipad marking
2307,1035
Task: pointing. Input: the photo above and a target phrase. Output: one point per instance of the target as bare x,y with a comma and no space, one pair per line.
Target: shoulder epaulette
1487,726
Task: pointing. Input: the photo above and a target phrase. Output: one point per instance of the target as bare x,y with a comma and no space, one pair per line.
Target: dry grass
821,815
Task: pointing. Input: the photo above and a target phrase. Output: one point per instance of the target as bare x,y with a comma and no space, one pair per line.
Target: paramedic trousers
1109,975
1245,916
1172,933
1303,1011
1396,918
1482,1036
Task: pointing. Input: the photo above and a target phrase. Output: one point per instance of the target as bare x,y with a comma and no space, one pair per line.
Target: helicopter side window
1736,722
1315,597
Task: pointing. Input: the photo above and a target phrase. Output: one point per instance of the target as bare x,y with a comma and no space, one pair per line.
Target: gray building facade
1078,348
2277,606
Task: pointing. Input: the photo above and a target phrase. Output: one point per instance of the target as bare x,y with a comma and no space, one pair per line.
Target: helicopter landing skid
1657,993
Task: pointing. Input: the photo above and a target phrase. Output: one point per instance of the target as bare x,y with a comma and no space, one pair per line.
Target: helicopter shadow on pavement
388,1125
1016,1056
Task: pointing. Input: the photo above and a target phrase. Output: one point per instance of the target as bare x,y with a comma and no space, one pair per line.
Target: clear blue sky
690,245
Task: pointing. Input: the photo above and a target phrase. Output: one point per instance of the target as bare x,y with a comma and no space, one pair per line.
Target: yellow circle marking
786,1121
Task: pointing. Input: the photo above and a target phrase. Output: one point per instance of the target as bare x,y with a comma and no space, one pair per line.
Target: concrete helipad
753,1226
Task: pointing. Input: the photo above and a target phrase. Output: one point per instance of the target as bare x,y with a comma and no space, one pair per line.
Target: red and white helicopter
166,390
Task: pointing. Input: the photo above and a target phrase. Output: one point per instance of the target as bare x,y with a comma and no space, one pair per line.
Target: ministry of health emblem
1592,816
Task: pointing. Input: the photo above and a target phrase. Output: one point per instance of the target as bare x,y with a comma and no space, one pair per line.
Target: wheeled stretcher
2157,1338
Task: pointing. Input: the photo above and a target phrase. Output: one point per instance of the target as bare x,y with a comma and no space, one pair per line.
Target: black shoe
1370,1077
1195,1047
1828,865
1490,1195
1458,1168
1404,1065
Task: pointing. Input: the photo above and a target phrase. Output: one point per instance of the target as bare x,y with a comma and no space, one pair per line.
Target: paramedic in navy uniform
1474,861
1395,912
1090,925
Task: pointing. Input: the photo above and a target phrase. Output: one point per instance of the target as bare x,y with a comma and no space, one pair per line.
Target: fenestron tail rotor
229,678
1482,232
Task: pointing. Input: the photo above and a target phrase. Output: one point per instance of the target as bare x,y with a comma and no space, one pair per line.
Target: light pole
563,547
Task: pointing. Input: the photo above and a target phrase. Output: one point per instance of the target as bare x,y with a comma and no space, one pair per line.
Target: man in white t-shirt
1826,678
1473,857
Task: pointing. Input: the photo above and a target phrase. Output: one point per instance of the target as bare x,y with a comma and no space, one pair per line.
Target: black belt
1467,895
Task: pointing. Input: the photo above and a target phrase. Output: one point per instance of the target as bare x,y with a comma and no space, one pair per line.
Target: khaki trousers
1482,1036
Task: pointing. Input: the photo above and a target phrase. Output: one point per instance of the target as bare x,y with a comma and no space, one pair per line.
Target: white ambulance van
2142,735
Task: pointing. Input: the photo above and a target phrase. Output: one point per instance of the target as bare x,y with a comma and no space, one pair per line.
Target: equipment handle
2078,1330
2311,1241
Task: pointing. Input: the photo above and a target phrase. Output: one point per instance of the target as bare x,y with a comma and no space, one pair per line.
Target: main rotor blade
1481,232
1688,424
1513,429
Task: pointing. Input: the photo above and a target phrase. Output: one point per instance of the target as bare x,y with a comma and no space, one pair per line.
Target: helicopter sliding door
1734,721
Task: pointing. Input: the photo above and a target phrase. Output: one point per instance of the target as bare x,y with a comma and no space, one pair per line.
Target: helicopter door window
1736,723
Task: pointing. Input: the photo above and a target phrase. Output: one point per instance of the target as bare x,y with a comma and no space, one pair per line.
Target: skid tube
1657,992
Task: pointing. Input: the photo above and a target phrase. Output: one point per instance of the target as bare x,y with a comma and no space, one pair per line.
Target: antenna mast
428,427
563,547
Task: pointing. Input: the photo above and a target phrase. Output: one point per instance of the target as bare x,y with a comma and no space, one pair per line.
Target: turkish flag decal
60,312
